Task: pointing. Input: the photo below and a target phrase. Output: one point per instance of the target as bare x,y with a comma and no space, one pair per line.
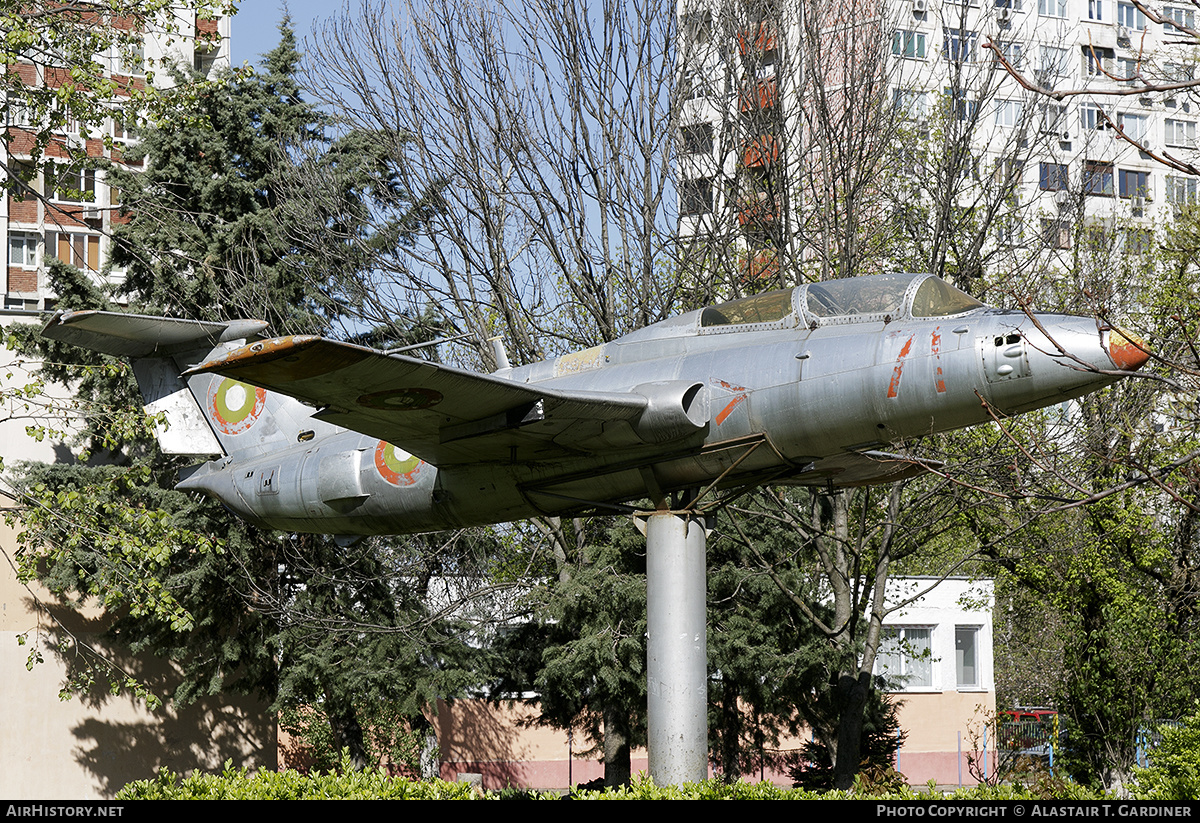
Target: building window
904,657
18,113
1180,133
1014,5
1137,241
1053,119
696,139
1182,16
959,105
1008,113
697,27
1097,61
694,84
1095,9
23,249
1091,117
1178,72
908,44
1052,8
696,196
1052,176
1012,52
1130,17
966,665
910,104
1054,62
1181,191
1056,234
1135,126
132,58
76,248
1127,69
71,184
958,45
1098,178
1133,183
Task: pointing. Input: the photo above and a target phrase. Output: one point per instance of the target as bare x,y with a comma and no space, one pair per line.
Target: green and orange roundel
235,406
395,465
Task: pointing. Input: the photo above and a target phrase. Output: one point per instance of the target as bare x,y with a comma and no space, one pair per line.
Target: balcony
757,39
762,152
757,210
761,94
759,265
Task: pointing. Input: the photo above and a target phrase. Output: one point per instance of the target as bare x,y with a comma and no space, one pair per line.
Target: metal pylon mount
676,645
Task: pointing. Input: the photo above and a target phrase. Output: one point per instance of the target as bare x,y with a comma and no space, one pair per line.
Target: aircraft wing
442,414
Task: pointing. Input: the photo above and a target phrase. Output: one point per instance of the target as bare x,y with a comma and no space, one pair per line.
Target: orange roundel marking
235,406
395,465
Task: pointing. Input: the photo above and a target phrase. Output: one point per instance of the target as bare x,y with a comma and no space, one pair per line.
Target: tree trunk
854,693
617,766
347,731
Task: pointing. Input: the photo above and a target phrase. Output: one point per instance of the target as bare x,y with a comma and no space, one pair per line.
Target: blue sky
255,26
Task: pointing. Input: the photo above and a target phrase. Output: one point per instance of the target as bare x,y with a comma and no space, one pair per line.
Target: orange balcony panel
761,95
757,211
759,265
761,152
757,39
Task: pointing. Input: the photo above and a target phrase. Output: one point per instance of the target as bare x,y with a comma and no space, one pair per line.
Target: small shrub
1175,770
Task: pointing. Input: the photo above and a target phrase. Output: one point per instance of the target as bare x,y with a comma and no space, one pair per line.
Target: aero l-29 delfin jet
802,386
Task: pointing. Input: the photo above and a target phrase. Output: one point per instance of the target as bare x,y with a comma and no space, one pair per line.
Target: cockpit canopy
881,297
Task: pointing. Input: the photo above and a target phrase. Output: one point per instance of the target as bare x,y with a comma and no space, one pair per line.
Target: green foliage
63,39
346,783
238,784
585,652
1174,773
391,739
881,739
295,620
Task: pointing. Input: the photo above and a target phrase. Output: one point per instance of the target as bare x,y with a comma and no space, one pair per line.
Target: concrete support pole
676,648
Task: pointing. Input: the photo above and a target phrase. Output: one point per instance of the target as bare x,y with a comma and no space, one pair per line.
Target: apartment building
1113,151
66,210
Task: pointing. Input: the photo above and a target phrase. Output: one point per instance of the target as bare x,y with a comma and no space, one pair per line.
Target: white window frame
1135,126
1052,8
908,44
1130,16
1180,133
26,244
961,633
1009,113
911,649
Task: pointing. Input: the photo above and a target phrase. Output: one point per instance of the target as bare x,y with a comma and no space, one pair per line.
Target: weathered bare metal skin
810,386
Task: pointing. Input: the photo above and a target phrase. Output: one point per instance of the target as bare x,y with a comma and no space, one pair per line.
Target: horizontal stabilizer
139,335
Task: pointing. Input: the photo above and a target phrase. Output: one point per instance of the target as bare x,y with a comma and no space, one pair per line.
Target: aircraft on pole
808,386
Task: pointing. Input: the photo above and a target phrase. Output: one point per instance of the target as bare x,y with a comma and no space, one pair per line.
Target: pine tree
211,234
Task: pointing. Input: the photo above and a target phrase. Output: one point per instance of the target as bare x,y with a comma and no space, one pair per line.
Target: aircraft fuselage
803,398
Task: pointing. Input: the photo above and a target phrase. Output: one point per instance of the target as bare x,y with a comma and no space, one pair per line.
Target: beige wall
87,749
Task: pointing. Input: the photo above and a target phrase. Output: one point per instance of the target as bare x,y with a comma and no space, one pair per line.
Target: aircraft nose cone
1127,351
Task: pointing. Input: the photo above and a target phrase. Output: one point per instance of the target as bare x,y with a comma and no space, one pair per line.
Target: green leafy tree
296,620
584,649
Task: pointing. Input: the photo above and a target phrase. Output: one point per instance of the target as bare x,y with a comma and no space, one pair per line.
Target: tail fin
206,414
